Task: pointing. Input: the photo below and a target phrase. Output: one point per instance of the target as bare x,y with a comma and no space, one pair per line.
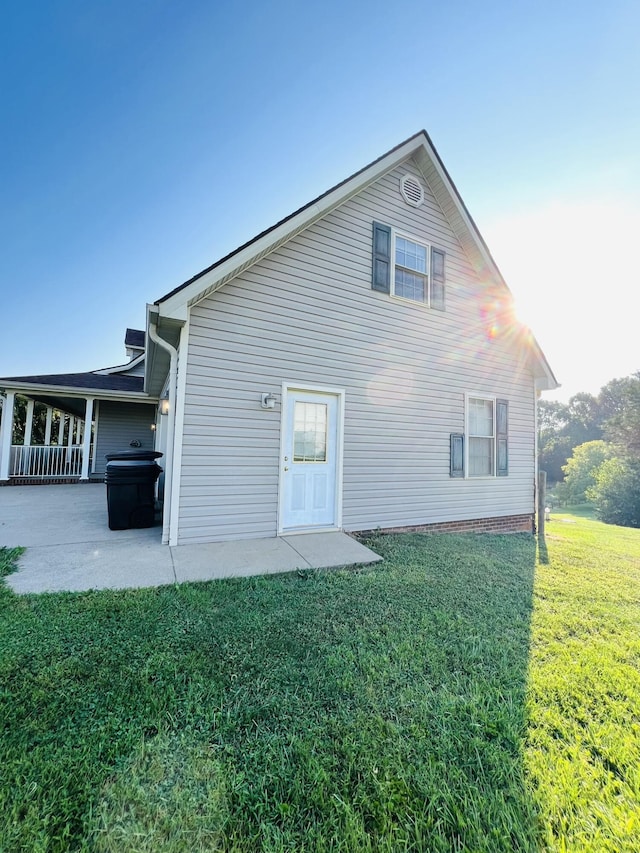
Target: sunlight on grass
460,696
583,743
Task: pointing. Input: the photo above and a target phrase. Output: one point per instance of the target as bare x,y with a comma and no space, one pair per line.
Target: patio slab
69,547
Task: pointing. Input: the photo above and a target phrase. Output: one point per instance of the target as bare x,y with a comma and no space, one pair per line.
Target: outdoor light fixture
268,401
164,406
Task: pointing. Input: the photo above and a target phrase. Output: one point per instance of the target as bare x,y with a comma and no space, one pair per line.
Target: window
310,432
483,450
417,272
410,279
481,437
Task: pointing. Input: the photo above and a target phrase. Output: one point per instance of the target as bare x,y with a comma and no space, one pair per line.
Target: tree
581,471
564,426
623,427
616,492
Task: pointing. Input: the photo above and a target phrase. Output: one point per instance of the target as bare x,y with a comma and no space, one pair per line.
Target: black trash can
131,478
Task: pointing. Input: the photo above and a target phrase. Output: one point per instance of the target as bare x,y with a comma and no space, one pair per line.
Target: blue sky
143,140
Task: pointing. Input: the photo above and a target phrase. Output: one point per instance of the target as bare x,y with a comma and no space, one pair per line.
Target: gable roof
419,146
175,304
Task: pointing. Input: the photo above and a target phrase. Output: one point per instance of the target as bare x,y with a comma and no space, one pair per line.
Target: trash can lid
133,454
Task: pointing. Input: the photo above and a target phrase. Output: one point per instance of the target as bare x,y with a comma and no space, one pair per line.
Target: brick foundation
501,524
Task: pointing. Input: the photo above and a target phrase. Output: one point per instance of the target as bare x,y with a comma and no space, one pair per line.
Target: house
111,399
357,366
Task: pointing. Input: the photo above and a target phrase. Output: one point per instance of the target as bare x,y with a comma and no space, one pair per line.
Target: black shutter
381,273
456,454
437,279
502,438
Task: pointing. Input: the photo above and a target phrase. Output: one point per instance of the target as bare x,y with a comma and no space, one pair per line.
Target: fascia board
121,368
67,391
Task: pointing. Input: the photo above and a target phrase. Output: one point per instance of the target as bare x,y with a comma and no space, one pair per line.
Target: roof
134,338
175,305
81,381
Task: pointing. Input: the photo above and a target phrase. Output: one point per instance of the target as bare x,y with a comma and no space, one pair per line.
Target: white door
309,477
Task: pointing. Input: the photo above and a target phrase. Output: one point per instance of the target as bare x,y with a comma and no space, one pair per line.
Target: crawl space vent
411,190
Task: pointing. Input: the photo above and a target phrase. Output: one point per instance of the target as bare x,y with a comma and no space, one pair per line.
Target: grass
462,696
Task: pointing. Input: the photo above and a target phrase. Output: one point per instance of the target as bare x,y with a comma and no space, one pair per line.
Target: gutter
171,428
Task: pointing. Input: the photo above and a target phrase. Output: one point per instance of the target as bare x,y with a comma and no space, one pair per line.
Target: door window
310,432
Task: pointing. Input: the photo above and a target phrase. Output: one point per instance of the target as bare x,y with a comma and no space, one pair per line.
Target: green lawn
468,694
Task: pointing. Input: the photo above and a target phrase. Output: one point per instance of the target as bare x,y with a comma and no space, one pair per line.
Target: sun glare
573,270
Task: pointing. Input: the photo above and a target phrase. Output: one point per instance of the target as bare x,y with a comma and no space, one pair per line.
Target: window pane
310,432
410,285
411,255
480,457
480,417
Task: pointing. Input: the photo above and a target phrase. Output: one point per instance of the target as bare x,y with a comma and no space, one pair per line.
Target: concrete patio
70,547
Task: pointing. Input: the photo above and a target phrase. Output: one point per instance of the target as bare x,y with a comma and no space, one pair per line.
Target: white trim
96,419
47,428
27,388
168,468
28,423
340,395
6,432
86,442
178,432
479,396
403,235
120,368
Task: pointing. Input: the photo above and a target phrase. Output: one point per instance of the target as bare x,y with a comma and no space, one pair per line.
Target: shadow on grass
375,709
543,553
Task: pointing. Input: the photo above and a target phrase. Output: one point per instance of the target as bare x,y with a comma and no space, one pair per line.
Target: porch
63,436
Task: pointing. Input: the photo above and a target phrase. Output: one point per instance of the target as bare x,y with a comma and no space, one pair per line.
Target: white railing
44,461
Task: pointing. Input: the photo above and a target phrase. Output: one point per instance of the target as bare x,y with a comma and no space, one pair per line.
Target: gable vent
411,190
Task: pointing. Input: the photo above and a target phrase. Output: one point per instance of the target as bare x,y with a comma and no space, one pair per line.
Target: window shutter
456,454
381,274
437,279
502,438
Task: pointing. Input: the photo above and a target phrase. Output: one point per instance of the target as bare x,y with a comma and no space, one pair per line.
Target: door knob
286,467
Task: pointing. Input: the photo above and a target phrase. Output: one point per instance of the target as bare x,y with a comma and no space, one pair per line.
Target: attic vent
411,190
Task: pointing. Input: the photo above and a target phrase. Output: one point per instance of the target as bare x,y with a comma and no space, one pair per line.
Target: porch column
70,438
28,424
47,428
6,430
61,429
86,444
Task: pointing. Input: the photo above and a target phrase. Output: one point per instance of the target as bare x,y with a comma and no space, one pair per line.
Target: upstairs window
410,279
417,272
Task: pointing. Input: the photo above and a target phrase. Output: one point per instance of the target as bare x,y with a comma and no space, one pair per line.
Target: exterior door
309,477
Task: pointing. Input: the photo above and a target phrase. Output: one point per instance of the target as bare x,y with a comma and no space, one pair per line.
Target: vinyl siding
307,314
118,425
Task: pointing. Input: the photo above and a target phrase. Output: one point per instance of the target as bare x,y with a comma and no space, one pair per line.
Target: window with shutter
405,267
502,438
487,445
381,273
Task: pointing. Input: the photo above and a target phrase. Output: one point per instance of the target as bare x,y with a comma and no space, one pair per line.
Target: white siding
307,314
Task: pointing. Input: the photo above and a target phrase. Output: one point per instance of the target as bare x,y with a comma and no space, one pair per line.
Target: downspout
171,428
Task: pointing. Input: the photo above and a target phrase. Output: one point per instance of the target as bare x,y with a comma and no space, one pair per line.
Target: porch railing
45,461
